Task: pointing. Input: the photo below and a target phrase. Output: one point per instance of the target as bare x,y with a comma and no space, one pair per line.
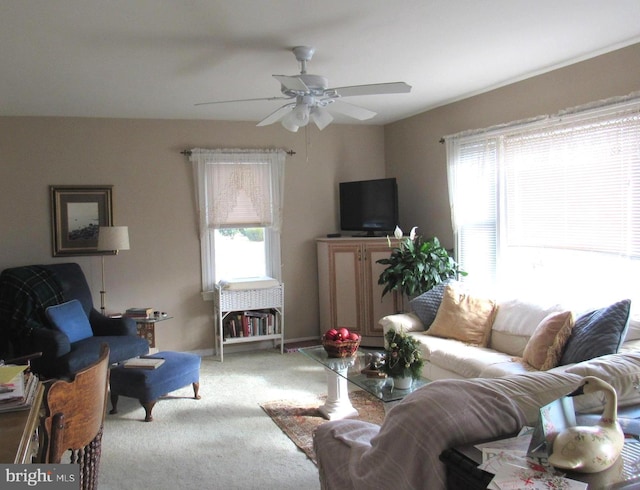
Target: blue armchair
25,294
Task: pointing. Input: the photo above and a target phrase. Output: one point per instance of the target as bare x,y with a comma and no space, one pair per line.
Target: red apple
354,336
344,333
331,334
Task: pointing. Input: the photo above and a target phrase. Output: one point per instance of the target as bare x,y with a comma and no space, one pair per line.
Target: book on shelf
249,323
144,363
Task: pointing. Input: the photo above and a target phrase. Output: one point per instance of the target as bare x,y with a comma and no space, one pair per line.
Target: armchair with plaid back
49,309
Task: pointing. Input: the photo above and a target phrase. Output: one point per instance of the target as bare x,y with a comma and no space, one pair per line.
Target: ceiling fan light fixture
301,114
297,118
289,124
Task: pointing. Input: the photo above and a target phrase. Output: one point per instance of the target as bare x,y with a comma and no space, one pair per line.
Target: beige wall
415,156
153,189
153,195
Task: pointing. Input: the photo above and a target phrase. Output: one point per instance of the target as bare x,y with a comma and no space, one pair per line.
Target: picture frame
554,418
77,212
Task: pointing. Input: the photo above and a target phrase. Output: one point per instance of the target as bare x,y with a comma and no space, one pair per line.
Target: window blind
550,203
575,185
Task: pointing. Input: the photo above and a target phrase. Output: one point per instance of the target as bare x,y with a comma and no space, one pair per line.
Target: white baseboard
249,346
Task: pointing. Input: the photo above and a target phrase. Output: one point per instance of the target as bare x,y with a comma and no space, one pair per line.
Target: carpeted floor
225,440
298,420
294,346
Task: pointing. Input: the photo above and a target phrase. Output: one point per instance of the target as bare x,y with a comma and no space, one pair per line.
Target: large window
551,208
239,195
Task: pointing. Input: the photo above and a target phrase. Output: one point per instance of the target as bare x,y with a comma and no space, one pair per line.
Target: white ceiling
157,58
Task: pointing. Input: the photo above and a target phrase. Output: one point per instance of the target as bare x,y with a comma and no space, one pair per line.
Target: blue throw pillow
70,319
426,305
597,333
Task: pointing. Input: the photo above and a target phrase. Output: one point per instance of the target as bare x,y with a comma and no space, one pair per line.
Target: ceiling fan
314,100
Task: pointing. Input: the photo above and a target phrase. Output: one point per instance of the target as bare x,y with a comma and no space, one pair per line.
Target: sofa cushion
544,349
508,343
464,317
83,352
426,305
466,360
515,322
429,343
70,319
597,333
519,317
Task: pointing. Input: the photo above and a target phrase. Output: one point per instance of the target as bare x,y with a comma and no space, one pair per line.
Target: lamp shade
113,238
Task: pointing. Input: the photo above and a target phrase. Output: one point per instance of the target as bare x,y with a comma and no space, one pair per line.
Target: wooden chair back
74,418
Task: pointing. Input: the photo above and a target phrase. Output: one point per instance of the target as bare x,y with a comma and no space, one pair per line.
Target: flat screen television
369,206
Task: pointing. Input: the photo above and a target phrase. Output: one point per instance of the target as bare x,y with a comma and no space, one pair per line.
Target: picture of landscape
83,220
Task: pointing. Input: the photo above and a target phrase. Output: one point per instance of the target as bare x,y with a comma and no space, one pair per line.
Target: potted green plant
416,265
403,359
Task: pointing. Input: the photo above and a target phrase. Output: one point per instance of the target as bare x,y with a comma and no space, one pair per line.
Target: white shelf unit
227,301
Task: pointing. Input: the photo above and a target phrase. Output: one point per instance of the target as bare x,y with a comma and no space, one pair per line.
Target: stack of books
250,323
18,392
142,313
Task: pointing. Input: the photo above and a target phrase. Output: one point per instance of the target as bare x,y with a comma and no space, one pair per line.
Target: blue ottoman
147,385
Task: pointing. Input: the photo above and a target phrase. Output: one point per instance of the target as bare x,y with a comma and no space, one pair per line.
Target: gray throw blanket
404,452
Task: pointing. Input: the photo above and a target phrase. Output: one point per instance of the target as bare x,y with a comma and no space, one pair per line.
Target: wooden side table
463,473
146,328
19,433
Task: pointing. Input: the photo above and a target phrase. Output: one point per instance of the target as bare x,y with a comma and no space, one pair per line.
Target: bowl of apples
340,342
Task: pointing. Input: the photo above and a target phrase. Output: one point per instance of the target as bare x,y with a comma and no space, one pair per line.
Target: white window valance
239,188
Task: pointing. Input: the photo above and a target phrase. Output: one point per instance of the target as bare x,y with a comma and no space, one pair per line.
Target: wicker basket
342,348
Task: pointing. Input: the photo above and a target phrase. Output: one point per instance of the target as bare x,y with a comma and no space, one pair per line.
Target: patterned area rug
298,421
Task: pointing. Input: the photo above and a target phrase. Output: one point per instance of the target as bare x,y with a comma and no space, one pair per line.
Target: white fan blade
373,89
321,117
351,110
292,83
276,115
243,100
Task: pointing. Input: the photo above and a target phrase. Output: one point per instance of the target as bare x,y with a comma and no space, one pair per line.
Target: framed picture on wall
77,212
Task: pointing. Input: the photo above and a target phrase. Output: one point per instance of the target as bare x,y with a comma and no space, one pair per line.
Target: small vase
402,382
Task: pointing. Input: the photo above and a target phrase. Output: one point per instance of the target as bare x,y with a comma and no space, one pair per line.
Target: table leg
338,405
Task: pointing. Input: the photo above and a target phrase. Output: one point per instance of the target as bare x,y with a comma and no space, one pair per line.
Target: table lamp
113,239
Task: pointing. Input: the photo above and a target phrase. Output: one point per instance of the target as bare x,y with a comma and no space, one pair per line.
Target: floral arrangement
416,265
402,355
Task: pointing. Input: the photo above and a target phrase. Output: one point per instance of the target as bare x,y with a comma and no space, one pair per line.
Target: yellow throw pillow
464,317
544,349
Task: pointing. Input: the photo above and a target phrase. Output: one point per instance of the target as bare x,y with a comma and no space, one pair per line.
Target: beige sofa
510,328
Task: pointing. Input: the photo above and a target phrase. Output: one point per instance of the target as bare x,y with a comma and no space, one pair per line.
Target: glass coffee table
341,370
